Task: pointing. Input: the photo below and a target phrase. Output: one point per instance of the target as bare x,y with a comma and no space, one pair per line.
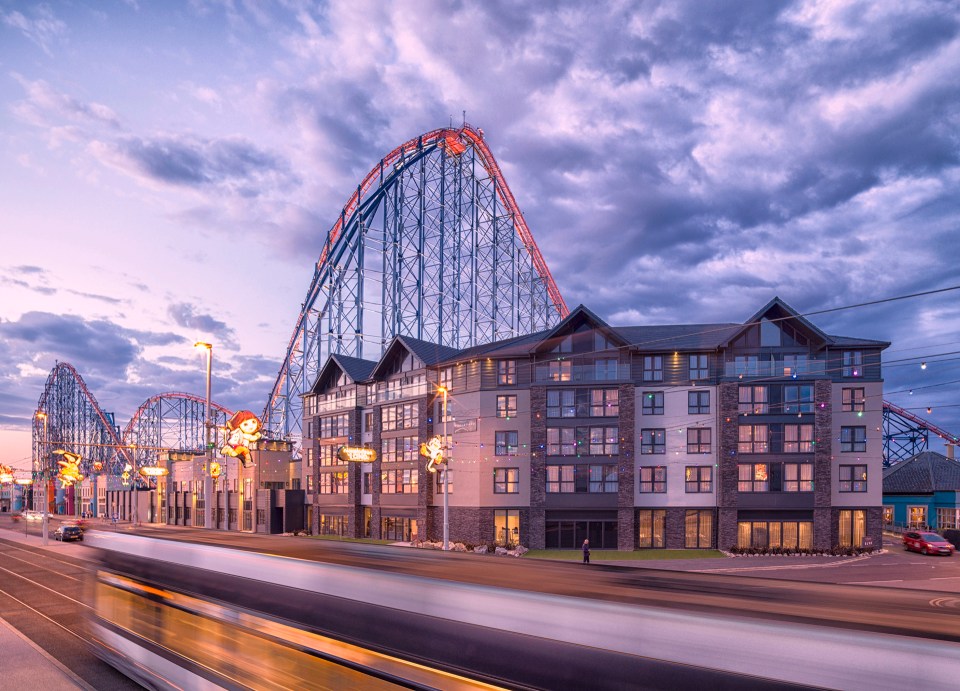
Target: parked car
66,533
926,543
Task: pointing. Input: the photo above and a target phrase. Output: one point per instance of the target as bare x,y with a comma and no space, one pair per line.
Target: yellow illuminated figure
242,430
97,466
69,472
433,449
6,474
215,470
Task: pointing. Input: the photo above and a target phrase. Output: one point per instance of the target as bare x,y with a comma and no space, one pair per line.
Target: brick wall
728,395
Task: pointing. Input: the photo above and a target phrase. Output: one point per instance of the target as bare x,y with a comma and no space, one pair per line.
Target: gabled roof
356,369
515,346
427,353
925,473
579,315
778,309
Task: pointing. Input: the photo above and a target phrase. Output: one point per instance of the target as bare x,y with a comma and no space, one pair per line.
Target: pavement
27,666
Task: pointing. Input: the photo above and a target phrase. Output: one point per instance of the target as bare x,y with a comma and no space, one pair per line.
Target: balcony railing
774,368
550,372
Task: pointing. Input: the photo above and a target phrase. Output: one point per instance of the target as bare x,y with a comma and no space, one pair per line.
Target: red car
927,543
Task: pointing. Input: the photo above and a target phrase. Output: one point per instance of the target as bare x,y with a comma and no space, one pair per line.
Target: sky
169,171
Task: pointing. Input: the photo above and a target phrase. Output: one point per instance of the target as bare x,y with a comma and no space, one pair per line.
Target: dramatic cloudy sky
169,170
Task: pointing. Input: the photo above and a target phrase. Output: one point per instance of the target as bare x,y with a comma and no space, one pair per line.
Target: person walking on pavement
586,551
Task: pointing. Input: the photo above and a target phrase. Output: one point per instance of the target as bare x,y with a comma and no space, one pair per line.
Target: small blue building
922,492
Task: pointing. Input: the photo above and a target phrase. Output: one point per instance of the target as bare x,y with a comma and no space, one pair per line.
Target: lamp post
46,504
208,448
135,487
446,466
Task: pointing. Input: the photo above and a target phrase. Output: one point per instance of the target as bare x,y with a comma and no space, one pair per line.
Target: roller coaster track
453,259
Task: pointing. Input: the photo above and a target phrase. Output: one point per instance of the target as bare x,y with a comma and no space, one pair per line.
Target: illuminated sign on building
433,449
69,472
356,454
242,430
153,471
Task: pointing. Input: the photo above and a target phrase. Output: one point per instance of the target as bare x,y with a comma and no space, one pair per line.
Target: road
894,592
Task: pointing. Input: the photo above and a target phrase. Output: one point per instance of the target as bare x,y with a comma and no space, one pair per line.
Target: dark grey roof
357,369
924,473
517,345
846,342
429,353
678,337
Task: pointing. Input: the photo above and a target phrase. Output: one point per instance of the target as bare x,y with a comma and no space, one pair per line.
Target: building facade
760,434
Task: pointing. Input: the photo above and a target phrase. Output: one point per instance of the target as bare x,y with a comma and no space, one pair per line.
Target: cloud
185,315
45,106
43,28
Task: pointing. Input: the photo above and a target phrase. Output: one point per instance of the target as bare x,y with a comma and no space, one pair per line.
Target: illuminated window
888,516
854,400
753,439
798,438
853,478
506,525
797,477
507,406
559,370
561,441
916,516
506,443
698,440
399,449
698,478
506,372
853,439
698,529
785,534
754,400
399,481
652,403
652,479
852,528
506,480
652,528
334,426
396,417
604,403
753,477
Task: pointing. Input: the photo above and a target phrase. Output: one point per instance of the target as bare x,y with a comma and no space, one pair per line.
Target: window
605,369
653,441
399,416
506,480
652,528
746,365
506,406
698,529
797,477
506,372
798,399
399,481
888,515
560,479
603,479
853,478
852,363
916,516
561,441
368,421
796,364
398,529
853,400
368,483
334,426
698,402
652,368
754,399
445,476
698,440
653,479
399,449
506,525
309,457
698,367
327,455
786,534
946,518
604,403
753,477
798,438
604,441
333,483
561,403
506,443
853,528
853,439
652,403
559,370
699,478
753,439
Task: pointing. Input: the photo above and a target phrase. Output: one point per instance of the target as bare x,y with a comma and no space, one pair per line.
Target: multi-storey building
765,433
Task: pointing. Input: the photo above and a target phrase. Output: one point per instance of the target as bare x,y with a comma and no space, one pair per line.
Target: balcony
562,372
774,368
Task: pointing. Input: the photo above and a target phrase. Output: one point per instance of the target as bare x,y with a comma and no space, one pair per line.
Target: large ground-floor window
506,524
916,516
334,525
652,528
948,518
853,527
397,528
699,528
788,534
571,534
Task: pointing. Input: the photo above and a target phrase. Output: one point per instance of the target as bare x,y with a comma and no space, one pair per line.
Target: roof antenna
464,118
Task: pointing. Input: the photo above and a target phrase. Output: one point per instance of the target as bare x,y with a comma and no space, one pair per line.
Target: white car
33,516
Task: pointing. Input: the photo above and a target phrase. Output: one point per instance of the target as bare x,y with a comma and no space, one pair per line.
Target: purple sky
170,170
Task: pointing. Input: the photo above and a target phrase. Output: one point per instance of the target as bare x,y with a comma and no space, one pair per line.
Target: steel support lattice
905,434
431,245
170,422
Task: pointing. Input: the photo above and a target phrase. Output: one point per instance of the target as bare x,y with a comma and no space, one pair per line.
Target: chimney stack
950,448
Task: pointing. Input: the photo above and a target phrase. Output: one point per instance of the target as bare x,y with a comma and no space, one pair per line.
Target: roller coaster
432,245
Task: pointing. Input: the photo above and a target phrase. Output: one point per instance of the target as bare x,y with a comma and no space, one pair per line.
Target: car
66,533
33,516
926,543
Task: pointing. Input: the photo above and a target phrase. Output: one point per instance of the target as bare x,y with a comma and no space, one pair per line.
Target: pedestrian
586,551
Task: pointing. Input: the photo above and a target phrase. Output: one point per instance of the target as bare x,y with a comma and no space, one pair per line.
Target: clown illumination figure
242,430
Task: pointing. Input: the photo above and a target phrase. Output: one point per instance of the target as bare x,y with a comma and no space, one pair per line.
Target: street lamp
43,448
446,467
208,446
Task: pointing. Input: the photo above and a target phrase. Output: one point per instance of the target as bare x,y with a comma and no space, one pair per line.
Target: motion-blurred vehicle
68,533
79,523
926,543
33,516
